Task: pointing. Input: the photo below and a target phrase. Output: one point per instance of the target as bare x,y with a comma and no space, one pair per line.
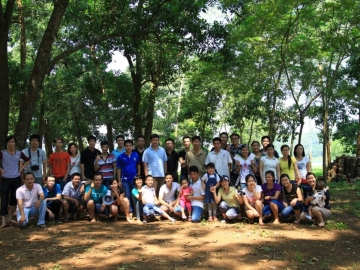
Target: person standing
265,141
140,148
87,158
106,164
59,162
75,162
196,156
120,148
128,166
11,179
235,149
38,162
220,157
155,162
172,158
182,157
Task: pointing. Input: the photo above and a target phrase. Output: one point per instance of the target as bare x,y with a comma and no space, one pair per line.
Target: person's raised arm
217,197
88,193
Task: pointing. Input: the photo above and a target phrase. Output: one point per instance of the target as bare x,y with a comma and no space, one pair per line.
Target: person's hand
188,197
171,208
237,163
212,189
255,213
293,202
2,170
92,185
51,215
120,184
310,198
267,198
285,204
97,158
102,208
77,203
22,219
37,204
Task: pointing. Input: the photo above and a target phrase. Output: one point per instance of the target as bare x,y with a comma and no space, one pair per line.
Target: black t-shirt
172,163
140,154
88,158
184,170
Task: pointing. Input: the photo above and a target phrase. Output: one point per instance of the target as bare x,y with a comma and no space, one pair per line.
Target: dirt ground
163,245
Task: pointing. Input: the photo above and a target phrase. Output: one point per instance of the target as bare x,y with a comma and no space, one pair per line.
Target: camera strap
37,155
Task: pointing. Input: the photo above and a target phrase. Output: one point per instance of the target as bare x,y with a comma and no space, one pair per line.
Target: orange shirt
59,162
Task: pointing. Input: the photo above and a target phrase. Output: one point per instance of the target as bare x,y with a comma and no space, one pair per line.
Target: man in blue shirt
128,165
52,194
155,162
93,197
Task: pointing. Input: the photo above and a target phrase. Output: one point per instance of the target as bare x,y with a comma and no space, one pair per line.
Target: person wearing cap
93,197
38,162
230,200
59,162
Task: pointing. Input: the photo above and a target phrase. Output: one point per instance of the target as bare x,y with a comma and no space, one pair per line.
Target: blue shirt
128,166
51,193
117,152
155,161
97,194
70,191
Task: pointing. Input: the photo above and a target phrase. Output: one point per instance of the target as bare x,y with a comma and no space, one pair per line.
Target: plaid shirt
233,152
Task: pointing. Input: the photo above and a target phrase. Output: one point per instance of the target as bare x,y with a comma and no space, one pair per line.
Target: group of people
144,182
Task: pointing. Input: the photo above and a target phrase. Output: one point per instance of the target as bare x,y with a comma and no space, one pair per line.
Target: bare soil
163,245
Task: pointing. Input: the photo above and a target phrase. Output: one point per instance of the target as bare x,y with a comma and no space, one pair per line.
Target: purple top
271,192
10,163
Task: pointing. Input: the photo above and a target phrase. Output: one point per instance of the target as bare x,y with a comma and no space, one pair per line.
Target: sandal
297,221
184,217
210,219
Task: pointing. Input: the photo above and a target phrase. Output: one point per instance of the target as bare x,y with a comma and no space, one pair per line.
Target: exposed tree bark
150,112
48,139
29,98
5,20
22,35
358,137
109,135
41,126
78,133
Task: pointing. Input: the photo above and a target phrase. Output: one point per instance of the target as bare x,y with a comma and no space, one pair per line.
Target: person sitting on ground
229,198
150,201
271,197
30,201
319,196
210,179
292,198
319,213
167,195
121,203
197,199
52,194
183,200
137,196
72,197
93,197
251,195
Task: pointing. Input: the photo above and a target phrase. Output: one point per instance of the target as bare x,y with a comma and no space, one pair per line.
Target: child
137,196
184,202
210,179
318,197
150,201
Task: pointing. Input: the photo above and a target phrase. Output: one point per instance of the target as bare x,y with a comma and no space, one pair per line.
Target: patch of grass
332,225
299,257
317,171
57,267
203,222
123,267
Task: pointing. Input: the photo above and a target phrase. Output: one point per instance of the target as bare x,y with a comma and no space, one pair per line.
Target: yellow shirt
284,167
231,198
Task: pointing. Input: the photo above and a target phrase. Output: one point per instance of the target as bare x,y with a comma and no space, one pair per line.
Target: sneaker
144,221
58,221
173,220
308,217
223,221
42,226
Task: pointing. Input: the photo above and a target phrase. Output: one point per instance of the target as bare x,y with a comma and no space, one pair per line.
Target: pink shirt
29,197
185,191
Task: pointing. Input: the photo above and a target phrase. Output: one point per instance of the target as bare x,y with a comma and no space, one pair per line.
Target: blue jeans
32,212
287,210
196,213
151,209
267,209
128,186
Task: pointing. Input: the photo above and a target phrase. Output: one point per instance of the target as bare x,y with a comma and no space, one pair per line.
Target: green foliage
332,225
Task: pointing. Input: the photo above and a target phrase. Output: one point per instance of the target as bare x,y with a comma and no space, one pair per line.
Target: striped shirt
106,166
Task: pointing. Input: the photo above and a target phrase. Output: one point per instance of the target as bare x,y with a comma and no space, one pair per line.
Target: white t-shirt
198,191
222,159
302,167
148,194
270,165
251,195
245,168
75,165
169,195
205,177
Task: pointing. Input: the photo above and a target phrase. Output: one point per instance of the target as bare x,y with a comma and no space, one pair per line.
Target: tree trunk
41,125
5,20
48,139
22,35
110,136
358,138
78,133
325,132
150,112
302,123
29,98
